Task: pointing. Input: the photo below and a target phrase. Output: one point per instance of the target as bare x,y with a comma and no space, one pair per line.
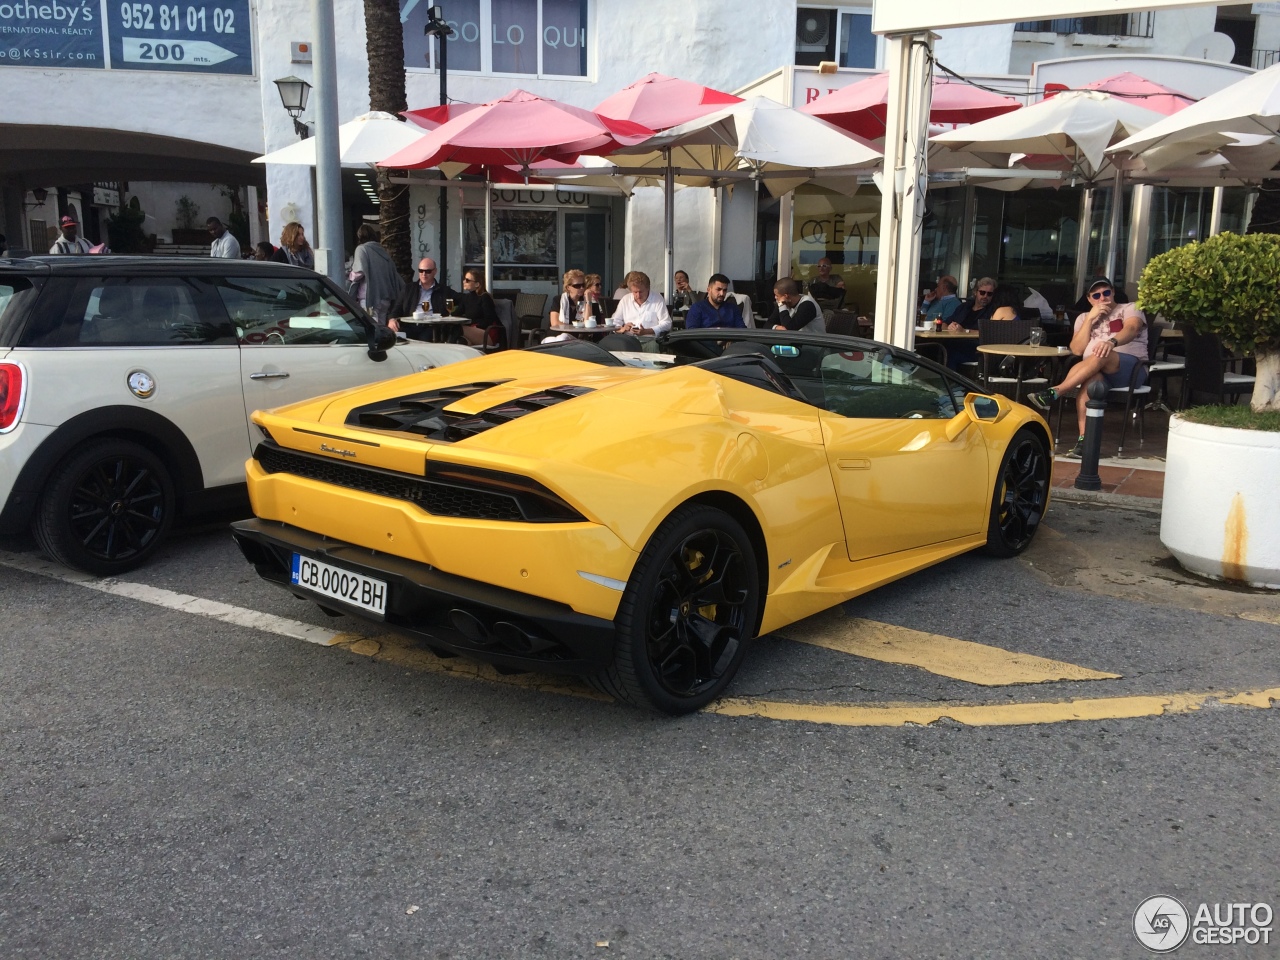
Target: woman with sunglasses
573,304
1111,341
476,304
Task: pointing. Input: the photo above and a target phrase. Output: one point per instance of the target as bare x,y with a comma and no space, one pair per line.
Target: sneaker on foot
1076,452
1042,399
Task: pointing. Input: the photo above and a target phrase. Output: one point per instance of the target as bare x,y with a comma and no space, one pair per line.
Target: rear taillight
13,391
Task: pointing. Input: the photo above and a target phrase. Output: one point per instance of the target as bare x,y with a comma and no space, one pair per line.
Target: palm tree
384,45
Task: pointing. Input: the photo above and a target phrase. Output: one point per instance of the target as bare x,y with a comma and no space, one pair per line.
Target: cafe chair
509,326
936,352
744,301
1206,371
530,311
843,323
830,303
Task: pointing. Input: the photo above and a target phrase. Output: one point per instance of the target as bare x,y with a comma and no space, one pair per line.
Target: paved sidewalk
1122,479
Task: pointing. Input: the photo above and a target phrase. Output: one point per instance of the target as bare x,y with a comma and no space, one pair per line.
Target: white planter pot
1221,514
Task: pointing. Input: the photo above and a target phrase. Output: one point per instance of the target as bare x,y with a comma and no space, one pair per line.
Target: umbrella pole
1113,241
669,218
1083,267
488,235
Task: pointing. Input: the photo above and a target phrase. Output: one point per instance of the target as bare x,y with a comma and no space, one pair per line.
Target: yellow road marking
988,715
944,656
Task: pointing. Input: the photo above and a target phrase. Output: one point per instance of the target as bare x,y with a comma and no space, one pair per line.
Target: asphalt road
178,786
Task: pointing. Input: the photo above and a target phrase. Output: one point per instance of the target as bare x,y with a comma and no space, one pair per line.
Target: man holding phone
1111,339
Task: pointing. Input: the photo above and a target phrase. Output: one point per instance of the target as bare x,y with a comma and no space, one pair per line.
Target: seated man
943,302
978,307
795,311
642,311
685,295
1111,339
824,286
718,309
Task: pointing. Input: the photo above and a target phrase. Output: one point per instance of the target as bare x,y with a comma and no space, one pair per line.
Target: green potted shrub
1221,515
189,230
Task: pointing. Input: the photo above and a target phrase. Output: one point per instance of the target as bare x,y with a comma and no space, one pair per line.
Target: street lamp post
436,27
294,92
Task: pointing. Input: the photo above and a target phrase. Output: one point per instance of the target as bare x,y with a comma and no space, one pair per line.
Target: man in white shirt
69,243
225,245
642,312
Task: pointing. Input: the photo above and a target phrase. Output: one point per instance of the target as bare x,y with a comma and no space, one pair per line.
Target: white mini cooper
126,385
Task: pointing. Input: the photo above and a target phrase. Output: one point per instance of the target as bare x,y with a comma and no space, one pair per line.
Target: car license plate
353,588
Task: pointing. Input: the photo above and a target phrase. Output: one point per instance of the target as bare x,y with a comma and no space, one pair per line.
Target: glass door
586,241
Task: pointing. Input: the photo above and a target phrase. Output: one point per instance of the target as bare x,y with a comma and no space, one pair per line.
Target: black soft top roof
121,266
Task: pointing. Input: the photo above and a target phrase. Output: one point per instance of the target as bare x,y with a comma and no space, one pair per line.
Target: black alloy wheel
106,508
687,615
1021,494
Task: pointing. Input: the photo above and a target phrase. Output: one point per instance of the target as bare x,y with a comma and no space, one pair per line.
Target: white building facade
174,100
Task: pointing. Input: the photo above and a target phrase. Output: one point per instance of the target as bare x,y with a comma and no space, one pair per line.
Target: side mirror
977,409
381,340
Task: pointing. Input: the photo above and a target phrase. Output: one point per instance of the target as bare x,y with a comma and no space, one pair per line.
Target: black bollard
1087,478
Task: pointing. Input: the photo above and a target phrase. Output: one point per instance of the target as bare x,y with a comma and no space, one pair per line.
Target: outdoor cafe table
946,334
435,324
597,331
1022,352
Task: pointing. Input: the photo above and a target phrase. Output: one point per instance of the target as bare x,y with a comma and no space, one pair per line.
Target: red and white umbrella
1141,92
428,118
520,128
658,101
861,107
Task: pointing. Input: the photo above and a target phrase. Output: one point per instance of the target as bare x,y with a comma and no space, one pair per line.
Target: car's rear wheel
687,614
1021,493
106,508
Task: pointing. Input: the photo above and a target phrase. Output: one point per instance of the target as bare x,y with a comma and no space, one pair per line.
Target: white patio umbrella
757,140
362,142
1072,130
1249,106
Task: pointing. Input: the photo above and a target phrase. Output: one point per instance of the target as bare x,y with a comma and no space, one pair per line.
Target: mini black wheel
687,614
106,508
1021,493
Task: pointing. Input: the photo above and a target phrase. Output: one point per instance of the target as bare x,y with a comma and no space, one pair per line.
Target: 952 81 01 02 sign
190,36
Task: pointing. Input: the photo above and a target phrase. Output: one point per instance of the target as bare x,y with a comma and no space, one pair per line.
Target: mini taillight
13,390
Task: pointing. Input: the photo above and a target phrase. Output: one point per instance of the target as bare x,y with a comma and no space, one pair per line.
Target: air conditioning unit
813,30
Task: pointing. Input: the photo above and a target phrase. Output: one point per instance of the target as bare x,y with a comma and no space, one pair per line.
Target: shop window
519,37
525,244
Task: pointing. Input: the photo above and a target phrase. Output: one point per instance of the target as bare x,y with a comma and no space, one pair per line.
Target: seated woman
595,295
573,303
476,304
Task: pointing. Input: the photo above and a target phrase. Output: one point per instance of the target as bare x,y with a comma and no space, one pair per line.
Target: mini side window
289,310
134,312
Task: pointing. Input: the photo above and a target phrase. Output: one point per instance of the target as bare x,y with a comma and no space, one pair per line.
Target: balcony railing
1265,58
1114,25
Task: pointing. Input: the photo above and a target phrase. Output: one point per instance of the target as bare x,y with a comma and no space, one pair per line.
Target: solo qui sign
192,36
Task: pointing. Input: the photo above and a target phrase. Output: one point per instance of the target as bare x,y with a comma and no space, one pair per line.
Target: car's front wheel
688,612
106,508
1020,496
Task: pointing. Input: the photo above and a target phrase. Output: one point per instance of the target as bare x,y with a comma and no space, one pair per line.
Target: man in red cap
69,243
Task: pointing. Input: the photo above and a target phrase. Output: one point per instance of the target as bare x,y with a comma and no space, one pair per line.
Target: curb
1128,501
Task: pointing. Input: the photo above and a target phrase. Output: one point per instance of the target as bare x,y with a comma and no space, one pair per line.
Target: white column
903,185
784,234
1215,217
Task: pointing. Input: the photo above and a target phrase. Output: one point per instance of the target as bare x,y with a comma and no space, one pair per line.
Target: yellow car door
901,482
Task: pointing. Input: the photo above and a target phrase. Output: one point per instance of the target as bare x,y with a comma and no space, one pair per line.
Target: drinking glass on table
1037,335
448,305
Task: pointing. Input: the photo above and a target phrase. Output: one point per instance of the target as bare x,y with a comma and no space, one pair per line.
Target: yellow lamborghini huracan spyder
638,518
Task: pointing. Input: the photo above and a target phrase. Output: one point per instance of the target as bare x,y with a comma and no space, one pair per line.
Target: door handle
260,375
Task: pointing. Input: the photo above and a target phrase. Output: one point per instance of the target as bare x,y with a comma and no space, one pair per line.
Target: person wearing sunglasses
574,304
1111,341
426,289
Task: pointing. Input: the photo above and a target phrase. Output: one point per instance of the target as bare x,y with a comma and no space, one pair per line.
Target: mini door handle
268,376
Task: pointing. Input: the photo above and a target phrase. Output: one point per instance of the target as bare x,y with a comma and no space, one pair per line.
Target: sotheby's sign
195,36
49,33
